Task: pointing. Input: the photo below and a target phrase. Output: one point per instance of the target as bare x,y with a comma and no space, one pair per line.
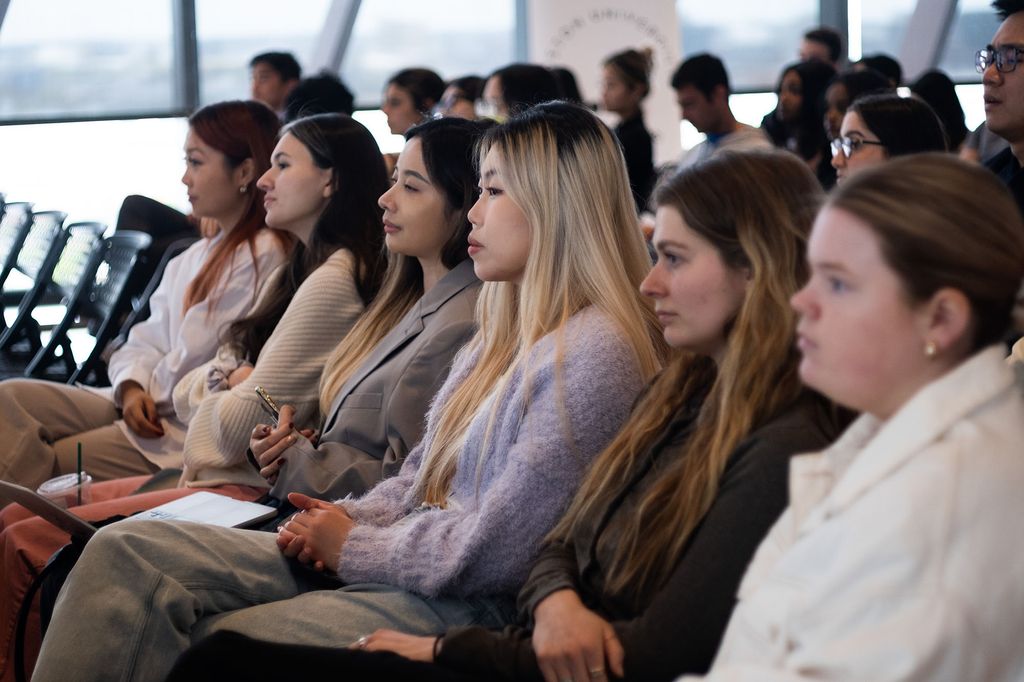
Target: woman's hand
239,374
316,534
574,643
268,444
413,647
139,411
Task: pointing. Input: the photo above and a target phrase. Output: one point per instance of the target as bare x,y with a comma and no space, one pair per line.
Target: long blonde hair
757,210
563,168
448,146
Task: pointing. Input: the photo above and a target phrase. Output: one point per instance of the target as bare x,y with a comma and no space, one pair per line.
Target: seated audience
320,94
516,87
843,90
638,579
131,428
895,559
409,97
565,344
938,92
379,380
879,127
273,76
795,123
702,92
399,350
625,84
322,186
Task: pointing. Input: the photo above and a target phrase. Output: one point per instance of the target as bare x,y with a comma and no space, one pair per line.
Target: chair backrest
120,252
47,226
14,227
106,297
83,241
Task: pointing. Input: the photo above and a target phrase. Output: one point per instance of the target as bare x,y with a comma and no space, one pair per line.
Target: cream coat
901,556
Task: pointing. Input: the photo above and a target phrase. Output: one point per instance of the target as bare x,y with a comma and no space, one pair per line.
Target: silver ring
596,673
362,642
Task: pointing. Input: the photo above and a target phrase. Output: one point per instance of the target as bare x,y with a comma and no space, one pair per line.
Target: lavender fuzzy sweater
485,542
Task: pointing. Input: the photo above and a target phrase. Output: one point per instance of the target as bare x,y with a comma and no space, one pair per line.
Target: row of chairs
94,277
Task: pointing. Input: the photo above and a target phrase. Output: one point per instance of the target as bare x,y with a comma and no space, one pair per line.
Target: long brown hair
756,209
239,131
350,220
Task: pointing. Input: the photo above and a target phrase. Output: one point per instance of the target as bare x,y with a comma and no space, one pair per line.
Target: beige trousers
41,425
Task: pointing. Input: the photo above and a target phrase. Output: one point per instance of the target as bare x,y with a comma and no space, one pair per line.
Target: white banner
581,34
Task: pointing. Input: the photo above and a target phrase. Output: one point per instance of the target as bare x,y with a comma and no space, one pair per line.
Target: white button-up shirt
901,555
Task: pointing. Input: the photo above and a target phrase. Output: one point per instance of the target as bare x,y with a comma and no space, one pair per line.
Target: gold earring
930,349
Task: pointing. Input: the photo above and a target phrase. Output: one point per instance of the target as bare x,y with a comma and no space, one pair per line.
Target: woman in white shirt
899,557
131,428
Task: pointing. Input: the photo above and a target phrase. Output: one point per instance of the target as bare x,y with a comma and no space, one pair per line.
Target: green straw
79,474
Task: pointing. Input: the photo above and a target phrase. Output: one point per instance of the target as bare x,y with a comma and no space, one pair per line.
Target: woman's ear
245,173
946,320
328,183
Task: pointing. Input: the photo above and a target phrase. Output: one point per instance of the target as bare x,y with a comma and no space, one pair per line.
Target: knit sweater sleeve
485,544
324,308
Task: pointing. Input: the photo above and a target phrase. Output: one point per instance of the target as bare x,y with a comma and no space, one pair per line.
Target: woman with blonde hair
898,557
564,345
639,577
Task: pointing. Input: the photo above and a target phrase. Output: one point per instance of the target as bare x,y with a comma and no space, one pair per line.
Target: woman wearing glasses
877,128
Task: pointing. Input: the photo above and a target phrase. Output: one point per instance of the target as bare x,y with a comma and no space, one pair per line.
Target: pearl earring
930,349
242,189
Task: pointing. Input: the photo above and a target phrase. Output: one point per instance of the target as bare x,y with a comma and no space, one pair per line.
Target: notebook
200,507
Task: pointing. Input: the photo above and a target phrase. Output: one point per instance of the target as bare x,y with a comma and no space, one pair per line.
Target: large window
755,41
455,38
975,24
66,58
230,32
883,25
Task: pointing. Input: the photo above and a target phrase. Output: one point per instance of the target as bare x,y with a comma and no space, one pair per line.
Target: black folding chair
37,259
99,298
14,228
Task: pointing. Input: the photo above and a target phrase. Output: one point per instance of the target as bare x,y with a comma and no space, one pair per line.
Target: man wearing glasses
1004,93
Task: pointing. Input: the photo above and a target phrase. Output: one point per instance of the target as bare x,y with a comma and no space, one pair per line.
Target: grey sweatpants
143,591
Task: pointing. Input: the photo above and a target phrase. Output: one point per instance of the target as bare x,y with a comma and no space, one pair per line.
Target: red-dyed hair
239,131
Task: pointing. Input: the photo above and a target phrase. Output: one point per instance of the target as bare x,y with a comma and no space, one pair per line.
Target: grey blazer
380,412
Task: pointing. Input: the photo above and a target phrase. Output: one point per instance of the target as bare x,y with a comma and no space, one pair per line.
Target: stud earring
930,349
242,189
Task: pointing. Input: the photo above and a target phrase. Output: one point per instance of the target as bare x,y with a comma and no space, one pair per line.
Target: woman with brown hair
638,578
899,556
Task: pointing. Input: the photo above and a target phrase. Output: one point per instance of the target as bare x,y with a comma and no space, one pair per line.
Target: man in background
273,76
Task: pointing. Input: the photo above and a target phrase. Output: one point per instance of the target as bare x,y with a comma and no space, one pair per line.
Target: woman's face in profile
499,243
791,97
860,337
400,109
866,150
416,223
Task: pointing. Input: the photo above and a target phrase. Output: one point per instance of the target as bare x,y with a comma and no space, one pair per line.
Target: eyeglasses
1005,58
849,145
